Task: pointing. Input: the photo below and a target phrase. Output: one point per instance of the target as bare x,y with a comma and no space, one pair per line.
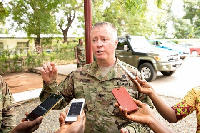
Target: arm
65,88
145,115
166,111
49,75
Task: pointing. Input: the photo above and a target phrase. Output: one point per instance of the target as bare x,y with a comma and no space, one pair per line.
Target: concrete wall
11,43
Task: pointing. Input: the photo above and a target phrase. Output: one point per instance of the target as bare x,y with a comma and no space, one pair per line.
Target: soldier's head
80,41
104,41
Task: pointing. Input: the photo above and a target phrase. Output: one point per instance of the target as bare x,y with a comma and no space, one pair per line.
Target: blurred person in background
7,114
80,53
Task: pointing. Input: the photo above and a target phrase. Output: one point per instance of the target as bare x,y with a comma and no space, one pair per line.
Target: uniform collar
115,72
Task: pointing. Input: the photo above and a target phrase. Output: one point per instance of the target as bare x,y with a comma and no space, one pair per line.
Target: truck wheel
148,71
167,73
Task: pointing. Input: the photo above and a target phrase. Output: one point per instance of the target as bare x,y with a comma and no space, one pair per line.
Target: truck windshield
139,42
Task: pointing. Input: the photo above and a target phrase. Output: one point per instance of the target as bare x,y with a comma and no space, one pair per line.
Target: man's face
81,41
103,43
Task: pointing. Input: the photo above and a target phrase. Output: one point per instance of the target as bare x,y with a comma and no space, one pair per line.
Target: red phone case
124,99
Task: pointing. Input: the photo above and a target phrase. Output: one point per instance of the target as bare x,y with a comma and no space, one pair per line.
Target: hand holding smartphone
45,106
124,99
76,108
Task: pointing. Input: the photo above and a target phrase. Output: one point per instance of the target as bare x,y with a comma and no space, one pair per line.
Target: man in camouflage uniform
7,114
80,53
94,82
6,108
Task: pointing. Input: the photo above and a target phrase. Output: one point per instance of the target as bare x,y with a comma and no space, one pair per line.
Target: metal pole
88,27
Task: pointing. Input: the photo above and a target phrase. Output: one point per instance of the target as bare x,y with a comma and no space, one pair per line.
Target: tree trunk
65,35
37,44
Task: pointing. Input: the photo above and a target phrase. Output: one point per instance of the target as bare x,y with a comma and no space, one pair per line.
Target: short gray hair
106,24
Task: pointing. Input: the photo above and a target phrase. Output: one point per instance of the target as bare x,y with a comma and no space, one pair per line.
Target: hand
124,130
143,114
28,126
143,86
49,72
75,127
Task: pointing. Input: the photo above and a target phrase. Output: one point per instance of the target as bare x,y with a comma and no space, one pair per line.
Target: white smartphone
75,109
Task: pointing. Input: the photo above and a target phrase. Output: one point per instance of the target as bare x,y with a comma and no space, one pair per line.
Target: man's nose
99,43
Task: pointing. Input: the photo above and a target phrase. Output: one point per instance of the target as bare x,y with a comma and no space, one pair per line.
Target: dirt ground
25,81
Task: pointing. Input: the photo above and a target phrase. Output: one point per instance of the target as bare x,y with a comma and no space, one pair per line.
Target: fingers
121,110
143,82
81,117
138,84
48,72
25,119
53,65
139,103
126,113
35,125
138,79
66,111
84,119
116,104
38,121
62,118
48,67
124,130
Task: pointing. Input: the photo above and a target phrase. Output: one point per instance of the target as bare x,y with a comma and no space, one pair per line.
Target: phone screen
75,109
45,106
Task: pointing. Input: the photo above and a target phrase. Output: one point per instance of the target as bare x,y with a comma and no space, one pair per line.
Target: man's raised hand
49,72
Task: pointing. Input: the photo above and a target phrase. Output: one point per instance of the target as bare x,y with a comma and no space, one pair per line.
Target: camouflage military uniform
6,113
101,113
80,49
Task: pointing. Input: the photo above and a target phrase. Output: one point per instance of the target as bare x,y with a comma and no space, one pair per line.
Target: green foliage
69,11
183,28
134,6
4,12
192,9
34,17
129,16
15,60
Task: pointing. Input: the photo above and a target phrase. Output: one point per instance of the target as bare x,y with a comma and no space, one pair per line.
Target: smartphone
44,107
124,99
75,109
126,70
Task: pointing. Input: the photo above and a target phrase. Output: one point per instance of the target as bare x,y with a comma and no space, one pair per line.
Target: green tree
35,17
192,9
129,16
69,9
4,12
182,27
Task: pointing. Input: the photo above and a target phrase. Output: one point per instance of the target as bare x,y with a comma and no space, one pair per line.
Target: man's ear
116,42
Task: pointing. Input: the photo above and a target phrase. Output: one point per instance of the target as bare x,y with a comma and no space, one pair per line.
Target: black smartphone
44,107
